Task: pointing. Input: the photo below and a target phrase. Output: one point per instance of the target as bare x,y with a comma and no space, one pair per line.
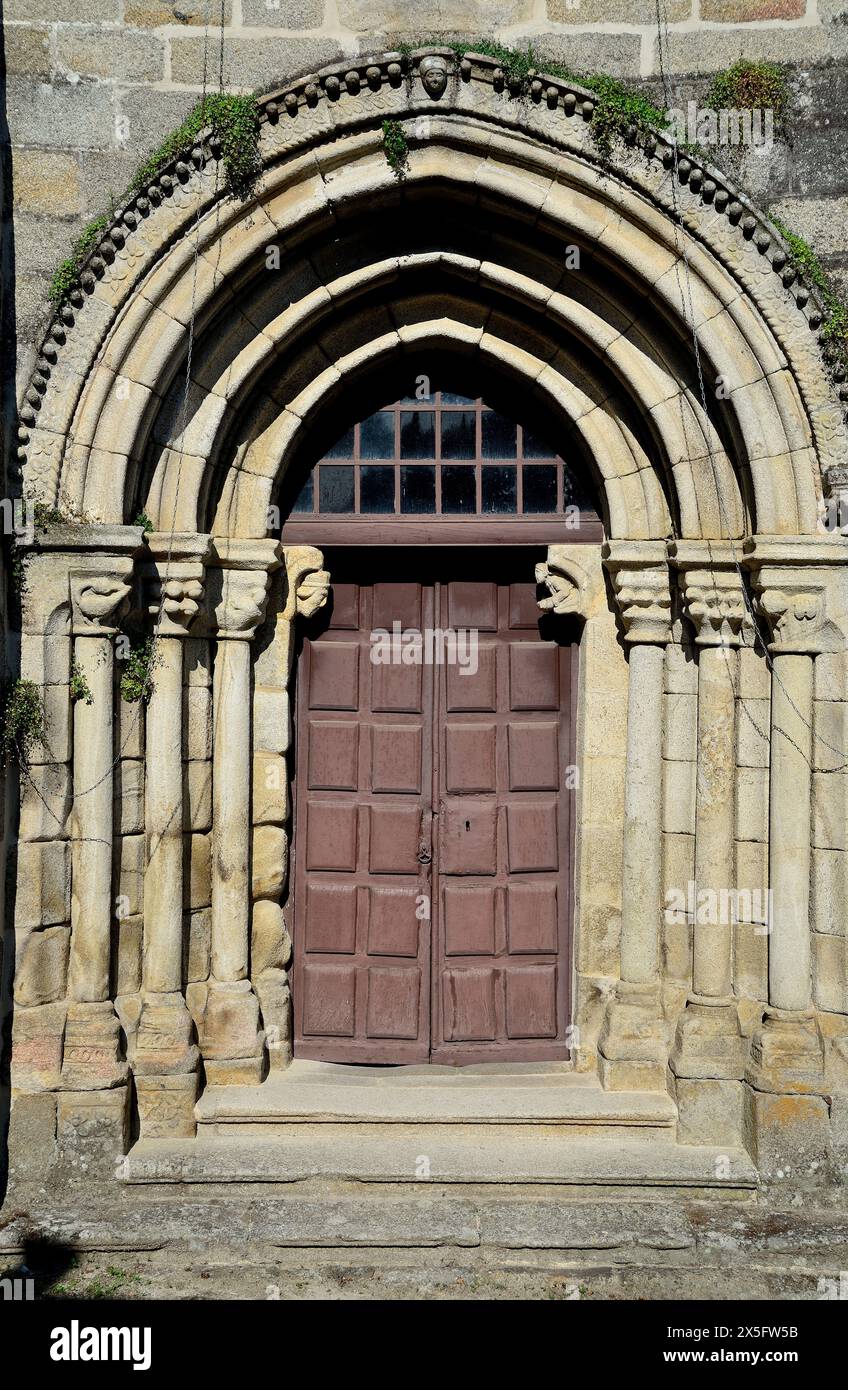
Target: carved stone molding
712,589
174,584
640,578
239,579
308,583
801,592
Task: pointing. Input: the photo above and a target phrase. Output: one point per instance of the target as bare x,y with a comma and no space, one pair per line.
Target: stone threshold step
305,1093
423,1153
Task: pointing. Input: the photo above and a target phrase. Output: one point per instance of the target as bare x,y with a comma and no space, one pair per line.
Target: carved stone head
434,75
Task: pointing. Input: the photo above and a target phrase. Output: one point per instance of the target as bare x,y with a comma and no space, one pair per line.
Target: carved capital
174,582
239,583
800,592
100,595
712,589
307,582
640,580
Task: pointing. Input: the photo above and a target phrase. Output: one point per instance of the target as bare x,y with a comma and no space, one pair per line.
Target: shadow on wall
8,356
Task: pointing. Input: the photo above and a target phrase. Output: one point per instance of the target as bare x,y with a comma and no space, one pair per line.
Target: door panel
363,811
502,740
426,787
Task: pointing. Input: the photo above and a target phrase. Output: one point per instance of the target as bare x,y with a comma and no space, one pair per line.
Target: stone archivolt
374,271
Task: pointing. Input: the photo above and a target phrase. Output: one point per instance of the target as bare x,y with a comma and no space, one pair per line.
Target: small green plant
79,685
67,273
835,324
751,86
396,148
234,121
44,516
137,678
143,520
22,722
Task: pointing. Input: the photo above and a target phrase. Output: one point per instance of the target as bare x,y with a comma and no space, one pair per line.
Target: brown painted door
432,823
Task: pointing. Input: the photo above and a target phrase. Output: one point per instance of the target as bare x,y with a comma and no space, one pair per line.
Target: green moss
835,324
234,121
751,86
143,520
137,676
618,107
67,273
22,722
396,148
79,685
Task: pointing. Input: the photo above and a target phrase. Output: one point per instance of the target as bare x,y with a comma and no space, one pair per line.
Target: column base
92,1132
632,1048
163,1040
231,1041
92,1053
708,1044
38,1035
709,1111
166,1105
787,1055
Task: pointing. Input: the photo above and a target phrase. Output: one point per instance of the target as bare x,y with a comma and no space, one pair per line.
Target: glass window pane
458,435
343,448
335,487
459,489
575,493
536,448
417,434
303,501
539,481
448,398
418,489
377,436
376,488
499,488
499,436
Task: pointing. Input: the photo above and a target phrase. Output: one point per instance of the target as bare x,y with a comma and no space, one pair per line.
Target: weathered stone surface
79,117
128,788
247,64
197,939
32,1137
45,802
128,878
43,892
166,1105
93,1132
788,1136
270,941
270,801
284,14
118,56
583,1226
197,882
197,722
127,944
269,861
709,1111
41,965
37,1038
27,51
197,797
149,14
271,720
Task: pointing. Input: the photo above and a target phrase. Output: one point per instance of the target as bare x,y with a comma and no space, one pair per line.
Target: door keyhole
468,825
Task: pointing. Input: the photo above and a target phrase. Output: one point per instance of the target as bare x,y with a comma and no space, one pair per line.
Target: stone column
166,1057
632,1045
708,1043
231,1038
100,584
305,587
801,597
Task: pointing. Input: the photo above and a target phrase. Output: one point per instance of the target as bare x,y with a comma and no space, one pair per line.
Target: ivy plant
137,677
22,722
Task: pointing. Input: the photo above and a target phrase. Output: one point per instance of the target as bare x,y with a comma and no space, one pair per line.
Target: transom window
445,455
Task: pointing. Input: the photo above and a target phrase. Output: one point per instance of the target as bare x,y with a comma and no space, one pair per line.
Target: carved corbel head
566,581
308,583
433,71
99,600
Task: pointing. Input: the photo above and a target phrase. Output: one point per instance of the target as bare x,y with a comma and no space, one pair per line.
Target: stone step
315,1093
437,1154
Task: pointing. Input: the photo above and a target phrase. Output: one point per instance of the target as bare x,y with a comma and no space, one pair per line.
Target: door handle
424,853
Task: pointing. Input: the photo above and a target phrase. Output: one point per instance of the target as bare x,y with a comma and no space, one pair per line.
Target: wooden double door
432,885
